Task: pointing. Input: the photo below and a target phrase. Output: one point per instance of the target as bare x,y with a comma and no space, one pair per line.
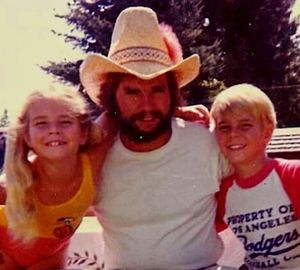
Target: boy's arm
221,204
195,113
289,173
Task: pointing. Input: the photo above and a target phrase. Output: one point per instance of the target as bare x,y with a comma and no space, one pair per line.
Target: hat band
137,54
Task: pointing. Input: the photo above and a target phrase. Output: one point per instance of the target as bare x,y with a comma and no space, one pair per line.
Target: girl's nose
54,129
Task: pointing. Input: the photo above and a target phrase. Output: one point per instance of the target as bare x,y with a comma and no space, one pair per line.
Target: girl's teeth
54,143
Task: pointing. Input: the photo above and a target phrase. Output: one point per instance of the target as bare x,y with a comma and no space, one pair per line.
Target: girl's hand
195,113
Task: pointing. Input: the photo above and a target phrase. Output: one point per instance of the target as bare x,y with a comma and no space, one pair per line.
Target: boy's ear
268,131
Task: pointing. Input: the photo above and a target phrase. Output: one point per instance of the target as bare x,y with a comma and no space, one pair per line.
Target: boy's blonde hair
244,97
20,208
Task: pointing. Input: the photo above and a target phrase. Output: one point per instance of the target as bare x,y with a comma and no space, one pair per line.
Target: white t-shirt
157,208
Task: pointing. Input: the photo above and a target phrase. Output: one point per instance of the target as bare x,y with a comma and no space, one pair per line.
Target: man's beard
130,130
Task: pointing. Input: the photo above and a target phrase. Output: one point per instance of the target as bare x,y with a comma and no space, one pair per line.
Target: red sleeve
289,172
221,201
2,193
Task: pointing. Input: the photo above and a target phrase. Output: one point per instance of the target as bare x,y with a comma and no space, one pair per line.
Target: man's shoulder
187,127
193,134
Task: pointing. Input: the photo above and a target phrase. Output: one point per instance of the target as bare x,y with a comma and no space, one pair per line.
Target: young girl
260,202
50,179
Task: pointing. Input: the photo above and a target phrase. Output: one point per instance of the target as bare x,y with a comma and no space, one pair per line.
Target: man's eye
158,90
132,91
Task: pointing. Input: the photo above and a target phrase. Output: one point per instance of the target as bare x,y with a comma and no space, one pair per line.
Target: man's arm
97,152
195,113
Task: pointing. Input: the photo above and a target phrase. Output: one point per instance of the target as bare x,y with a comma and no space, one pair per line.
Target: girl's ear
26,138
84,136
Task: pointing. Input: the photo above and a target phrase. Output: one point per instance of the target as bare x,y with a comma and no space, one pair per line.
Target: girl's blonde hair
244,97
20,207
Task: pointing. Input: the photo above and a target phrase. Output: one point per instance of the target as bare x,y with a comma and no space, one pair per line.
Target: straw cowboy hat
138,47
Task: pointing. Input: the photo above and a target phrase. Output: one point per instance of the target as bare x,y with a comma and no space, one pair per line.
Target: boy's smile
242,139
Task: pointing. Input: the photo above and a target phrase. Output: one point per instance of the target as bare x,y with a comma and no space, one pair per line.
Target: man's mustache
143,114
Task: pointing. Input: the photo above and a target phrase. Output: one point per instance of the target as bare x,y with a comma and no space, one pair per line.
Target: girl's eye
66,122
40,123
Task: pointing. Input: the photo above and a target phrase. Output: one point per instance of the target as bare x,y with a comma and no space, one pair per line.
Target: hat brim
96,65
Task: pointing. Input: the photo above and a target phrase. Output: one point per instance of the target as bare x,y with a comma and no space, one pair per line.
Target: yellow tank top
3,221
60,221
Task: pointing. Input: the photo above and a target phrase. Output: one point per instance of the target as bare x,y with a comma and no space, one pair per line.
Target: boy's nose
234,131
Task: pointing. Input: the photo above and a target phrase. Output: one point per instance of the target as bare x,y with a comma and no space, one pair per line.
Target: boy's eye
223,128
246,126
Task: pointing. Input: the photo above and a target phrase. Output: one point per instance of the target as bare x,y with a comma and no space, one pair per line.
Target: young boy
260,202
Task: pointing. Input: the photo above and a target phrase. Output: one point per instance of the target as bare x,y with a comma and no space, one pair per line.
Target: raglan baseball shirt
263,211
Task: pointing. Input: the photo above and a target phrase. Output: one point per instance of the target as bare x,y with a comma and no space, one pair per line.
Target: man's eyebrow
159,86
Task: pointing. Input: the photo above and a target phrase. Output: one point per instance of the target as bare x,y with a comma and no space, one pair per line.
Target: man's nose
147,103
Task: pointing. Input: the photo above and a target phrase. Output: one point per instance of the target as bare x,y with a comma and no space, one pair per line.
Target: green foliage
238,41
261,46
65,71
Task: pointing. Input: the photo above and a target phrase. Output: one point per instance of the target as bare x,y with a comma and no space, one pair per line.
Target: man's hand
108,125
195,113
